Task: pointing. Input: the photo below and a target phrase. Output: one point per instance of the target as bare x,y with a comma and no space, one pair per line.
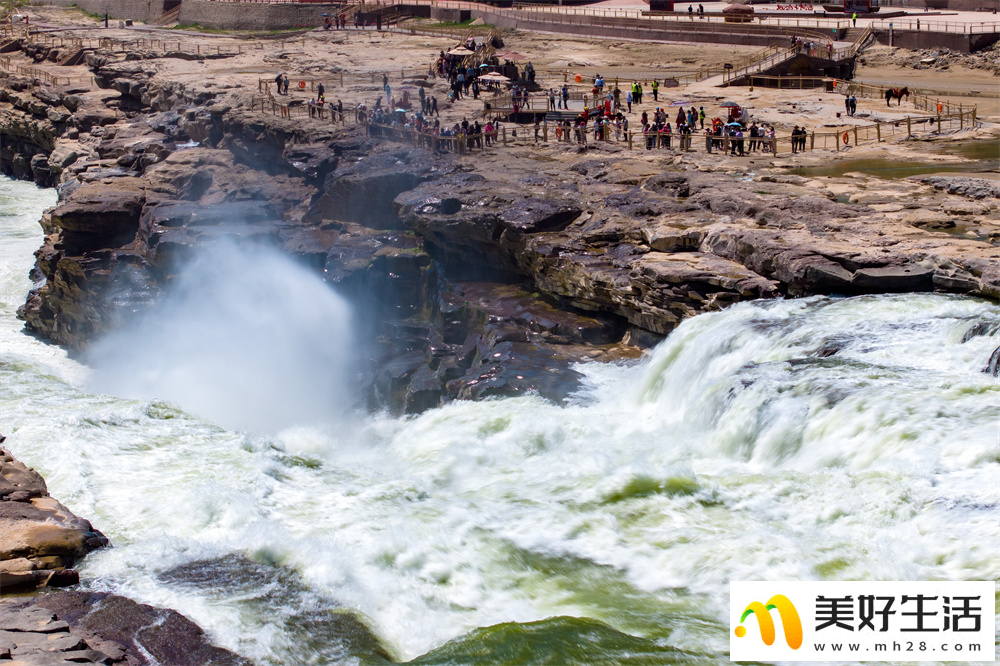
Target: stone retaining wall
240,16
222,15
137,10
917,39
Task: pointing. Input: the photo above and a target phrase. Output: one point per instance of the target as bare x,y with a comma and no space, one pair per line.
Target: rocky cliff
489,275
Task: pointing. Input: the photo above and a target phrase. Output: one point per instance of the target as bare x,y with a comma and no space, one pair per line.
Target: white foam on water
816,438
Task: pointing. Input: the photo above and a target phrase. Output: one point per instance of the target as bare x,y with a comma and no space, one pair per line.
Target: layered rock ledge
40,539
65,627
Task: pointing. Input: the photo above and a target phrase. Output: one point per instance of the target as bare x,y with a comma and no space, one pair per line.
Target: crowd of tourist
605,115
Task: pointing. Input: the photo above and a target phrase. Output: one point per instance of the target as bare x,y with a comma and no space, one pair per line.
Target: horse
898,93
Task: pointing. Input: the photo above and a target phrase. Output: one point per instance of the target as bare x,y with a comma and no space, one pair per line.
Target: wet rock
320,633
982,328
84,628
39,537
16,478
512,369
993,366
893,279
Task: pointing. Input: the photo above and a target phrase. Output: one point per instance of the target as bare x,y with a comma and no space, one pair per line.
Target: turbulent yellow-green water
823,438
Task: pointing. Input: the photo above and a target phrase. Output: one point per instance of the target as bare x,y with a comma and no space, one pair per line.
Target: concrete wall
223,15
137,10
919,39
675,33
239,16
445,14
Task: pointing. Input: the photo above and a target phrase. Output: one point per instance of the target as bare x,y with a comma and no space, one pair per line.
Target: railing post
909,131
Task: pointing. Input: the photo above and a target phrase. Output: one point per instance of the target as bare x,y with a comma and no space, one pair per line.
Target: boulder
105,211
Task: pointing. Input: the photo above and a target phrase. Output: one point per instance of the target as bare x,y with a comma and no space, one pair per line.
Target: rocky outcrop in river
99,628
40,539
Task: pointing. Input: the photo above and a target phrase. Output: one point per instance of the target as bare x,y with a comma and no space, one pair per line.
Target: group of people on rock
742,139
428,103
281,82
340,21
316,104
851,104
799,135
469,134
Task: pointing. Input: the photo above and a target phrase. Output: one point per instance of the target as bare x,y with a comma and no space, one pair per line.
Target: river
820,438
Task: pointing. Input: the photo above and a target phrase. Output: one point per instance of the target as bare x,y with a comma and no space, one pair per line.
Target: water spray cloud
244,337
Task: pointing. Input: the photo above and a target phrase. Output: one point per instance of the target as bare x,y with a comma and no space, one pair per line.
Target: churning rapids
823,438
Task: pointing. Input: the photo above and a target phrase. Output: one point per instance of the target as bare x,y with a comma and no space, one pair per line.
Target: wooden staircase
75,58
168,18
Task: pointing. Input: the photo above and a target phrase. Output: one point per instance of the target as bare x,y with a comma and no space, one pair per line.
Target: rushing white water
818,438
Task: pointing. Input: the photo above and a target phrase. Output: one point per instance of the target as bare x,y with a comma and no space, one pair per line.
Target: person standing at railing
565,97
701,116
628,101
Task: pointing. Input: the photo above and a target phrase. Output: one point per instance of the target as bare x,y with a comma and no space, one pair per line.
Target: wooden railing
38,73
835,140
234,47
920,100
284,109
341,79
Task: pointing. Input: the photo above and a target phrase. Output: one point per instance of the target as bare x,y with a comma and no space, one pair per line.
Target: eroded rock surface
64,628
40,539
